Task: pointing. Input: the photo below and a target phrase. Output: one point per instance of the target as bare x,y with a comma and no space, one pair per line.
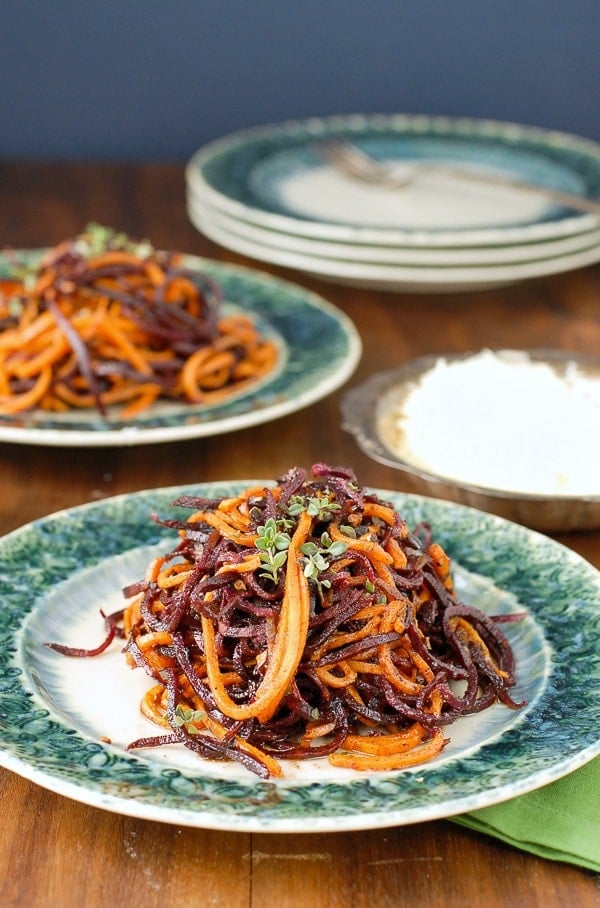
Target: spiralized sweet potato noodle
123,326
307,620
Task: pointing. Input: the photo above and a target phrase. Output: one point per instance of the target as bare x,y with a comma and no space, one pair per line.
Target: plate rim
374,791
441,278
412,257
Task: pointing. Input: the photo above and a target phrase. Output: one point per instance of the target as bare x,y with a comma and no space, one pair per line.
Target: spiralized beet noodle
306,620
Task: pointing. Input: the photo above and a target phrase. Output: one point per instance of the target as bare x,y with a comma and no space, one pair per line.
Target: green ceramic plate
319,349
57,573
274,176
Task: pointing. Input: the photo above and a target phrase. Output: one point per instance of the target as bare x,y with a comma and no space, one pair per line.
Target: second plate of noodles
104,340
102,321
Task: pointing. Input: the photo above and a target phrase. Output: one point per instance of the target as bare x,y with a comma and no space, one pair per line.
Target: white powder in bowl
504,421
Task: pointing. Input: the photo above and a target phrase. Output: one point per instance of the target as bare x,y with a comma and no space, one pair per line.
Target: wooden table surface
56,852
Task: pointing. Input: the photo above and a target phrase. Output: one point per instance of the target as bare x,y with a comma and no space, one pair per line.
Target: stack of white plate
271,193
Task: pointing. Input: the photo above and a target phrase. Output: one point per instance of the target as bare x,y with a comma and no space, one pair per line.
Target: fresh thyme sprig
189,718
273,544
96,239
317,559
273,541
320,507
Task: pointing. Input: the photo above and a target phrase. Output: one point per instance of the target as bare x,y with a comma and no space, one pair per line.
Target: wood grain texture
56,852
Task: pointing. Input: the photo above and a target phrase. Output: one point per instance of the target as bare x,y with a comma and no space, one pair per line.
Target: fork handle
358,164
568,199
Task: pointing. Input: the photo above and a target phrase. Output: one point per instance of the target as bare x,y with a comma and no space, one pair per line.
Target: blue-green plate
275,177
64,723
319,349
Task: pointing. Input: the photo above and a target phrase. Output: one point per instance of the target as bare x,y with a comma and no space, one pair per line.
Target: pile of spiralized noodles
306,620
102,321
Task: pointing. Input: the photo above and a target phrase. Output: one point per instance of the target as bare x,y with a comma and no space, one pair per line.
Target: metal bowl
368,412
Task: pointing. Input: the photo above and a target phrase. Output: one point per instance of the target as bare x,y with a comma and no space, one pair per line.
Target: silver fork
353,161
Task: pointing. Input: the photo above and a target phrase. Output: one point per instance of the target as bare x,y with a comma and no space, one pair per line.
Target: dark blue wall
157,79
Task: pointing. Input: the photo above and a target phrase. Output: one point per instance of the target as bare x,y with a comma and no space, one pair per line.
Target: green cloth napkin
560,821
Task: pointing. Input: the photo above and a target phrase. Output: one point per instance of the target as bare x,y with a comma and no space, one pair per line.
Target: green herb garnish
273,544
317,559
314,505
189,718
